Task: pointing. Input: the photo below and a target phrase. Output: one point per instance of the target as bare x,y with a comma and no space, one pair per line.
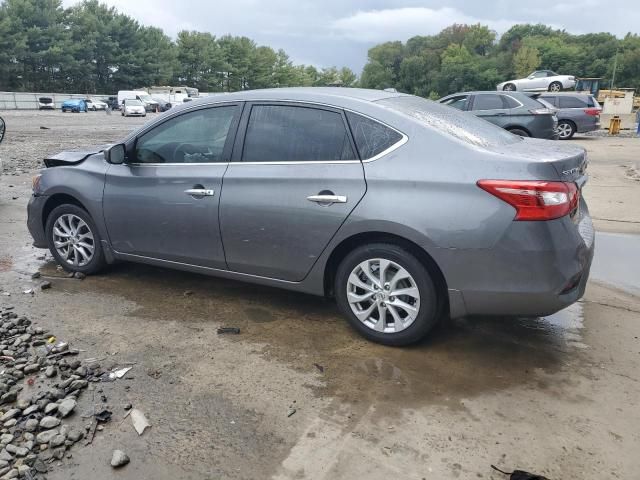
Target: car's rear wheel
566,129
509,87
387,294
519,132
555,87
74,240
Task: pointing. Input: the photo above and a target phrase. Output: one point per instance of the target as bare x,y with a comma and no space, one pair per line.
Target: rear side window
460,102
510,102
487,102
551,100
571,102
371,137
283,133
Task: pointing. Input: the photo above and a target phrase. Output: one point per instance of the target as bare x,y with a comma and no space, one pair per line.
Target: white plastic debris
119,373
140,422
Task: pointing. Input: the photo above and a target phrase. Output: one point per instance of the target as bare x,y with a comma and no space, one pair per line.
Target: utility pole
615,66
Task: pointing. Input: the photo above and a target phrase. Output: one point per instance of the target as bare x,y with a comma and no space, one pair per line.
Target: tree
526,60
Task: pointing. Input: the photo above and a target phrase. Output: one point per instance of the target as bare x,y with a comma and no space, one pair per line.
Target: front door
163,203
296,180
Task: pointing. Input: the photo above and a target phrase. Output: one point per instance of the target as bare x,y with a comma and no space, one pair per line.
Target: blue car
74,105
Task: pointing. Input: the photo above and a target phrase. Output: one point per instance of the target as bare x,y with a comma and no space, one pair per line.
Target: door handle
199,192
327,199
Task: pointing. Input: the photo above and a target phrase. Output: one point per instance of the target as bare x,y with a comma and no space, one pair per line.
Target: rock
9,397
46,436
75,435
31,425
4,470
32,368
35,275
6,456
119,459
49,422
64,430
28,436
9,415
6,438
39,466
52,407
66,407
10,423
58,453
23,403
13,473
77,385
28,445
51,371
17,451
82,371
57,441
29,410
79,275
45,285
23,470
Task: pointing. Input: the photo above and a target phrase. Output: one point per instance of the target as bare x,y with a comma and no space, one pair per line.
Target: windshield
133,103
145,98
448,120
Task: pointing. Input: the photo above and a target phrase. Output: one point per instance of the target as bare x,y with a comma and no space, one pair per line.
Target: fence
29,100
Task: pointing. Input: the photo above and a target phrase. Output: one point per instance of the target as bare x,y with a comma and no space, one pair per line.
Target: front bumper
536,269
35,220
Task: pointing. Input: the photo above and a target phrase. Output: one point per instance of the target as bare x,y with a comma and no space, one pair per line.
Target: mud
555,395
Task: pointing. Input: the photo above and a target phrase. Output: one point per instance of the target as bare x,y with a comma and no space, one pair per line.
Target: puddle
617,261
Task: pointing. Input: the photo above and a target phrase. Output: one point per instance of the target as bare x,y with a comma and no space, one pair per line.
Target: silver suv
402,209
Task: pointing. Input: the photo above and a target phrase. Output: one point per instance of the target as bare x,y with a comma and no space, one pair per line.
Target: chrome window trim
393,147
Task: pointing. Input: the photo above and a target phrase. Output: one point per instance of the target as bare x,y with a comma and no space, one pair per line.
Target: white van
150,104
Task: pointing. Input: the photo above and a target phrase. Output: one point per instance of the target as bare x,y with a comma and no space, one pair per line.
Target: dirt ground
557,396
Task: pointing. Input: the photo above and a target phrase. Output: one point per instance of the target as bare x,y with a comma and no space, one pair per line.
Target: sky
339,32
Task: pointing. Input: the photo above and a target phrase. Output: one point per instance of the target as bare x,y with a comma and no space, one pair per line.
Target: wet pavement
617,261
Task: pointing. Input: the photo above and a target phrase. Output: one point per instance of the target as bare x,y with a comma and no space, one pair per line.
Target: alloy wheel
383,295
555,87
564,130
73,240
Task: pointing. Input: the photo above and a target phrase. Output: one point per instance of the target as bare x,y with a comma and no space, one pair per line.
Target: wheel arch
348,244
56,200
518,127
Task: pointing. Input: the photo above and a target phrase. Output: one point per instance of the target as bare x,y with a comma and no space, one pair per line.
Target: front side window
194,137
487,102
371,137
283,133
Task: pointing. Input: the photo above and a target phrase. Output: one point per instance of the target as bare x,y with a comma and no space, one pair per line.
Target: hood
73,157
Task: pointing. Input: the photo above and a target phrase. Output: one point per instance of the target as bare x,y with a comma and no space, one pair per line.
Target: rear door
295,179
491,107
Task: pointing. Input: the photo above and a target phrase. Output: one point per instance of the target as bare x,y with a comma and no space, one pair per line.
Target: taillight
535,200
594,112
541,111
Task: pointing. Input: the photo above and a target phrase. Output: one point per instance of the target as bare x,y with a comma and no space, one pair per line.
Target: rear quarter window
371,137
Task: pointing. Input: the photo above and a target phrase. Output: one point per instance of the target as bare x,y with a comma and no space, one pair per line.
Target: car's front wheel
387,294
74,240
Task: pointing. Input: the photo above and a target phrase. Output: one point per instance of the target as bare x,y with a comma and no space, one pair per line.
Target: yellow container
614,125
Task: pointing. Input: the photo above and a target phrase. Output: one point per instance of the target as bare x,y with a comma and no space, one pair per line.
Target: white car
540,81
94,105
133,108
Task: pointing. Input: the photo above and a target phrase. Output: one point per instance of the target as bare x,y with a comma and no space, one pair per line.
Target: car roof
565,94
326,95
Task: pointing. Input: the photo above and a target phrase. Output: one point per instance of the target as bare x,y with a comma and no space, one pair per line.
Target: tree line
470,57
92,48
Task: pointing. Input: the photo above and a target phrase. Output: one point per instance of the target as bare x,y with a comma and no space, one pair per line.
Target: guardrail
29,100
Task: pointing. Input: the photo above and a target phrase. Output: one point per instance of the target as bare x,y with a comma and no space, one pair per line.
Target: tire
566,129
555,87
423,320
509,87
67,214
519,132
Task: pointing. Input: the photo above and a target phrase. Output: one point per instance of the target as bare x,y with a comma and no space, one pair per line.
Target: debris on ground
119,373
35,275
119,459
79,275
34,428
319,367
140,422
46,285
520,474
231,330
291,411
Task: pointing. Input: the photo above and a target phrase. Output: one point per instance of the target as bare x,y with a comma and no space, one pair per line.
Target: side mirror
115,154
1,129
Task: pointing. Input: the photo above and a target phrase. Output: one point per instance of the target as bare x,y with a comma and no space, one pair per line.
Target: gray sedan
576,112
402,209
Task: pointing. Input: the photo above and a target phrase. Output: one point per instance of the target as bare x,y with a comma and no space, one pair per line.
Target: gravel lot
557,396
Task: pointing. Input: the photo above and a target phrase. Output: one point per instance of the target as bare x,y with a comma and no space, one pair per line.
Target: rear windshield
461,125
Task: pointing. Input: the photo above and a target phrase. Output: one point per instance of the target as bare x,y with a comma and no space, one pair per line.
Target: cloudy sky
339,32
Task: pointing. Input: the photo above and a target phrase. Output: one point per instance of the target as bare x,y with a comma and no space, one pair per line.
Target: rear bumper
536,269
34,220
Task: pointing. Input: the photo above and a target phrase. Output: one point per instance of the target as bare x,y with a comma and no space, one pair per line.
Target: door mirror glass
116,154
1,129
